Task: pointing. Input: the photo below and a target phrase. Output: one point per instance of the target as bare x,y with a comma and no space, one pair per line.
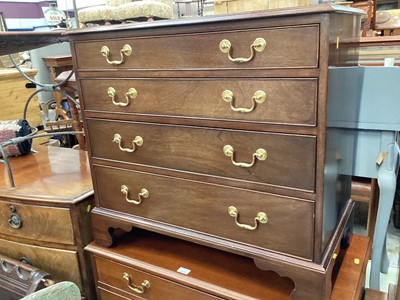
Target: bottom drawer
107,295
61,264
151,266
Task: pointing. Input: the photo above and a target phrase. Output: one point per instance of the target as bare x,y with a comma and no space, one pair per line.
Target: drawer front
39,223
206,209
104,294
276,101
290,160
122,278
63,265
285,47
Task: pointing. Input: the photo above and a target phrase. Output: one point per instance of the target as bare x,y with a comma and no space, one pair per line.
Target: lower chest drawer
142,284
39,223
150,266
261,158
267,221
61,264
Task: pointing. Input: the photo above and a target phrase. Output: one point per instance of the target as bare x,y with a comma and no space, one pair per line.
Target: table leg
387,174
384,258
179,9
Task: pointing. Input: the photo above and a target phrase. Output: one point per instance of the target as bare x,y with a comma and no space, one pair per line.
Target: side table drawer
61,264
285,47
39,223
143,284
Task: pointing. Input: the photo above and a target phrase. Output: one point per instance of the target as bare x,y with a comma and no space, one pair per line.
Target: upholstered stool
144,10
117,11
101,14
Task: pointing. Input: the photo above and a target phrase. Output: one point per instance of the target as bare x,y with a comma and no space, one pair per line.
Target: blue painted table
368,106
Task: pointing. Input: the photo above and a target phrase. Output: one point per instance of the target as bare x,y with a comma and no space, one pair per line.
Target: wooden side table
46,218
56,65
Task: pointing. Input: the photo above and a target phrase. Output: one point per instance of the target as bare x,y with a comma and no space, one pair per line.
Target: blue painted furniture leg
387,175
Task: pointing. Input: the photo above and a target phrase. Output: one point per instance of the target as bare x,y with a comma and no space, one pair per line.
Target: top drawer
40,223
202,50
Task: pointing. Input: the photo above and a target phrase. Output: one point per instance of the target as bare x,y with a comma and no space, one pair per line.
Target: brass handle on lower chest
137,141
139,290
125,51
260,154
258,97
258,45
143,194
131,94
261,218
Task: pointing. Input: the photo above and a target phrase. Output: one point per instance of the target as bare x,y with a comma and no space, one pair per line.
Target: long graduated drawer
179,52
211,209
271,159
262,100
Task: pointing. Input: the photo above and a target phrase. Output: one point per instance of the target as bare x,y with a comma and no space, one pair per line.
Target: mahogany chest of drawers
46,217
213,130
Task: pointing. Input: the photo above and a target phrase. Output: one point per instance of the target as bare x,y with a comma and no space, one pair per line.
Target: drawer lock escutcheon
260,154
139,290
131,94
258,97
137,141
258,45
125,51
15,221
144,194
261,218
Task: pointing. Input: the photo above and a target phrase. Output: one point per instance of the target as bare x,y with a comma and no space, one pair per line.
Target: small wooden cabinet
13,95
46,217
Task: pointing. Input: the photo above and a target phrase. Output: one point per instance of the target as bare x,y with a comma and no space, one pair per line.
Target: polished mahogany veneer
46,217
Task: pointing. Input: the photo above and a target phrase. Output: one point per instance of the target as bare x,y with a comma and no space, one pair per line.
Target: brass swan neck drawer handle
258,97
137,289
137,141
144,194
258,45
131,94
125,51
260,154
261,218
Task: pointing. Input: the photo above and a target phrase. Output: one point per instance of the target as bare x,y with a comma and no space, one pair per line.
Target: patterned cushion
117,2
143,9
168,2
97,13
65,290
120,10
